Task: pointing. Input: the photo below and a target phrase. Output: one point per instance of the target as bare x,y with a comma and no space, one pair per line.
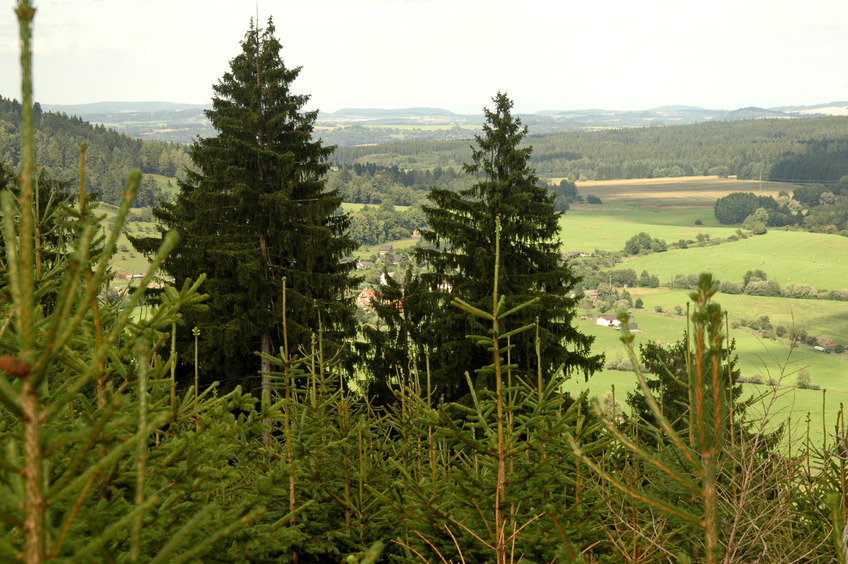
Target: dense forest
110,156
791,150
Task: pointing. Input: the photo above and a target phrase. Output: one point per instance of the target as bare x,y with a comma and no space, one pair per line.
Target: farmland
667,209
660,193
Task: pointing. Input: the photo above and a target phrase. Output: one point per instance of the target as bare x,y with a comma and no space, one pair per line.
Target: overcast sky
452,54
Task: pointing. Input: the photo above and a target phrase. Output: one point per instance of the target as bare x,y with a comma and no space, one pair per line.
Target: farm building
365,298
612,321
608,321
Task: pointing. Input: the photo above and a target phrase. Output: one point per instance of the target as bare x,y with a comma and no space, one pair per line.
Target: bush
592,199
620,362
658,309
839,348
800,291
729,287
804,382
752,379
763,288
639,304
839,295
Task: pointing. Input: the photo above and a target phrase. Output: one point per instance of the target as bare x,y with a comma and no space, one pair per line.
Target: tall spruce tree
460,255
255,211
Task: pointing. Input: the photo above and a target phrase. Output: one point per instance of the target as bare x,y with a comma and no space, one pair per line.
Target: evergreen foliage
105,462
460,263
256,213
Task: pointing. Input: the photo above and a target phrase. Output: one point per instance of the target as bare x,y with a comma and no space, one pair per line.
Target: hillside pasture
817,259
771,360
667,208
607,228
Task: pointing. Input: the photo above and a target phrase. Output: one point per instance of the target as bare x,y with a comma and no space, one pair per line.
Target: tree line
803,150
814,207
110,156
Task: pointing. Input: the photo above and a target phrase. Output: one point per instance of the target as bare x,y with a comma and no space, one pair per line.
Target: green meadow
816,259
607,227
400,245
772,360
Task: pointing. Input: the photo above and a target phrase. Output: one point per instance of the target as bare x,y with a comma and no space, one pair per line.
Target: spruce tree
459,252
254,214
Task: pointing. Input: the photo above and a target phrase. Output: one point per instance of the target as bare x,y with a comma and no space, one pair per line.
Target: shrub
800,291
839,348
839,295
752,379
729,287
658,309
763,288
620,362
592,199
804,382
639,304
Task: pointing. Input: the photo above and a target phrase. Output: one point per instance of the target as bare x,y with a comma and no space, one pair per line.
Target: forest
110,156
790,150
241,413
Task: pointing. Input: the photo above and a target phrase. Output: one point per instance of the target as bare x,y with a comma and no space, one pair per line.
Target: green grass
822,318
771,359
786,256
401,245
607,227
162,183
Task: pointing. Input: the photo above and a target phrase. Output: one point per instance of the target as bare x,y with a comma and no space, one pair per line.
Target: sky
451,54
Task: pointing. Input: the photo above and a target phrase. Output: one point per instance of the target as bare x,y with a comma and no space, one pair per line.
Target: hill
110,155
183,122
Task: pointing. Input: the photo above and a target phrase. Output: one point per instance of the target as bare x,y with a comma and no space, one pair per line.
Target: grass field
816,259
608,227
667,208
771,359
401,245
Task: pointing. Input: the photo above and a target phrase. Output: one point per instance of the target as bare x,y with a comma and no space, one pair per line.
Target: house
608,321
386,250
361,264
365,298
613,321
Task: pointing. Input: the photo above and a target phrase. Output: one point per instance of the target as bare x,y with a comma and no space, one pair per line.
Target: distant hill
109,158
182,123
157,121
